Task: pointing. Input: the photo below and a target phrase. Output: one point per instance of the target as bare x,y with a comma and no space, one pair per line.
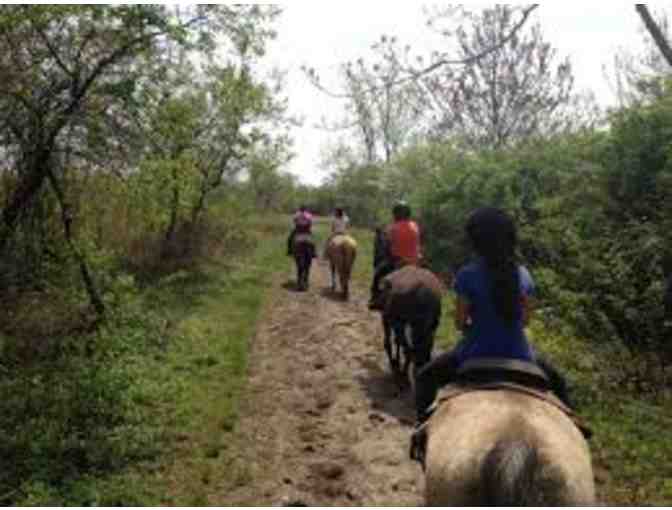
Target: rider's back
489,335
404,239
303,222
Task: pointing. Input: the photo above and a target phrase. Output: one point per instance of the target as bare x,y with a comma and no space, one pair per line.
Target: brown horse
411,300
304,251
505,448
341,253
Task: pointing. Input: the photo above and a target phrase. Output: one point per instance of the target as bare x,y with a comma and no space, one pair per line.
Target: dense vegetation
138,144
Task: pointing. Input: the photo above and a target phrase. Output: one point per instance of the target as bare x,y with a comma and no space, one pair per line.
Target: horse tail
510,475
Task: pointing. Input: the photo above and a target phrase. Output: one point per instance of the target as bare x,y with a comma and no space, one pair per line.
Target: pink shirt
303,221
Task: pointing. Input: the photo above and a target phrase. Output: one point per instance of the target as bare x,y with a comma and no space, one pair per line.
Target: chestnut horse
341,253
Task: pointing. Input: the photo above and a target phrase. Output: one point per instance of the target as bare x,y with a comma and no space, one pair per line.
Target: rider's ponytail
493,235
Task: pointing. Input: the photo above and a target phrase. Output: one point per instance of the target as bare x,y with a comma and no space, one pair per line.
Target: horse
304,250
341,253
500,447
411,299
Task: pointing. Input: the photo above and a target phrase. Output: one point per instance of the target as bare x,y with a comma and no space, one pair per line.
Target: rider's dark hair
302,207
401,211
492,233
338,211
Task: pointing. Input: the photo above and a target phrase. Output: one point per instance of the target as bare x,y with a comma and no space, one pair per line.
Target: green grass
148,419
199,379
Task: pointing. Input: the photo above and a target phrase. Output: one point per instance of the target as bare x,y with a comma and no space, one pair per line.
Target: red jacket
404,239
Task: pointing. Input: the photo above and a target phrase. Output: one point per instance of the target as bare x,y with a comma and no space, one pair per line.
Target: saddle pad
455,390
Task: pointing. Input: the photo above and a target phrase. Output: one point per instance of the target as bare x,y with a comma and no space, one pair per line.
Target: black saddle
502,370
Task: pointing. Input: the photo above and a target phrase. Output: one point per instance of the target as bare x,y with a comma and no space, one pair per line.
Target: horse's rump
505,448
407,290
341,241
411,297
303,245
342,252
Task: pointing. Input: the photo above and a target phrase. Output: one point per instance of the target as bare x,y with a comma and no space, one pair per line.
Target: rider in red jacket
403,248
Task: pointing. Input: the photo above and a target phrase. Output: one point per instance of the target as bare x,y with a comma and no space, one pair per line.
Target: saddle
305,239
507,374
480,371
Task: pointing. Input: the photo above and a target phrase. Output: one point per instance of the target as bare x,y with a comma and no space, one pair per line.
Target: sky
322,35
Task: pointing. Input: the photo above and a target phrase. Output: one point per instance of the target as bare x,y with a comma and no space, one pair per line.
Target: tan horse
505,448
341,253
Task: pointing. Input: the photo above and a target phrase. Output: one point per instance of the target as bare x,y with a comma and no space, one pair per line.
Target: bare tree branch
414,75
655,32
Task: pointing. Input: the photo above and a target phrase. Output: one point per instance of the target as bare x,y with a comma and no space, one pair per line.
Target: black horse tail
510,475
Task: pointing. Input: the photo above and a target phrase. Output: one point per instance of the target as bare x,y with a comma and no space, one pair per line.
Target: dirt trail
324,423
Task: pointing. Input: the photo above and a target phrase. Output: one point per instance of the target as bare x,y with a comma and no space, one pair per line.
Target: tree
62,64
516,90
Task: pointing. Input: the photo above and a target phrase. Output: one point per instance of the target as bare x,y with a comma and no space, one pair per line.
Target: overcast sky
322,35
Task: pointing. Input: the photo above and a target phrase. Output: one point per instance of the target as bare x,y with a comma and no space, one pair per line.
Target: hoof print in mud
328,470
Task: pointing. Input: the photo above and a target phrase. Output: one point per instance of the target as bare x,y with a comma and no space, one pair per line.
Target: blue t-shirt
489,336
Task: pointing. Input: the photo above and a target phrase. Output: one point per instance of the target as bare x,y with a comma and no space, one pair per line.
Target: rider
403,248
339,225
303,224
493,307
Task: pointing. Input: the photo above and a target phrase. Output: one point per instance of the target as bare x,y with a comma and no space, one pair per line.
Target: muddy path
323,421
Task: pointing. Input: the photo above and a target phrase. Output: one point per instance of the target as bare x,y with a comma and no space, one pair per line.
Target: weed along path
322,421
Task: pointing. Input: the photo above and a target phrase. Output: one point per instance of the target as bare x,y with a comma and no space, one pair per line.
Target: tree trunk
66,218
174,208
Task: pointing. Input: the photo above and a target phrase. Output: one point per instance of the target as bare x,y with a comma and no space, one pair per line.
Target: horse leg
399,340
299,272
409,355
333,276
344,277
306,270
387,329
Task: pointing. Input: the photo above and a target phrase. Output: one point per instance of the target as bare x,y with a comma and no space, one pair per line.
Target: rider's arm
461,313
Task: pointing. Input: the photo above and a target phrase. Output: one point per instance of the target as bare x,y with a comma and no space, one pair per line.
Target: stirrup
418,446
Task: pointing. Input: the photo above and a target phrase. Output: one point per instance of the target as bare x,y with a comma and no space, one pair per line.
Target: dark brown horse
304,251
412,312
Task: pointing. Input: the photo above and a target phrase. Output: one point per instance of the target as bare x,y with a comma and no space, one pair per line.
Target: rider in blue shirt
493,307
488,334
